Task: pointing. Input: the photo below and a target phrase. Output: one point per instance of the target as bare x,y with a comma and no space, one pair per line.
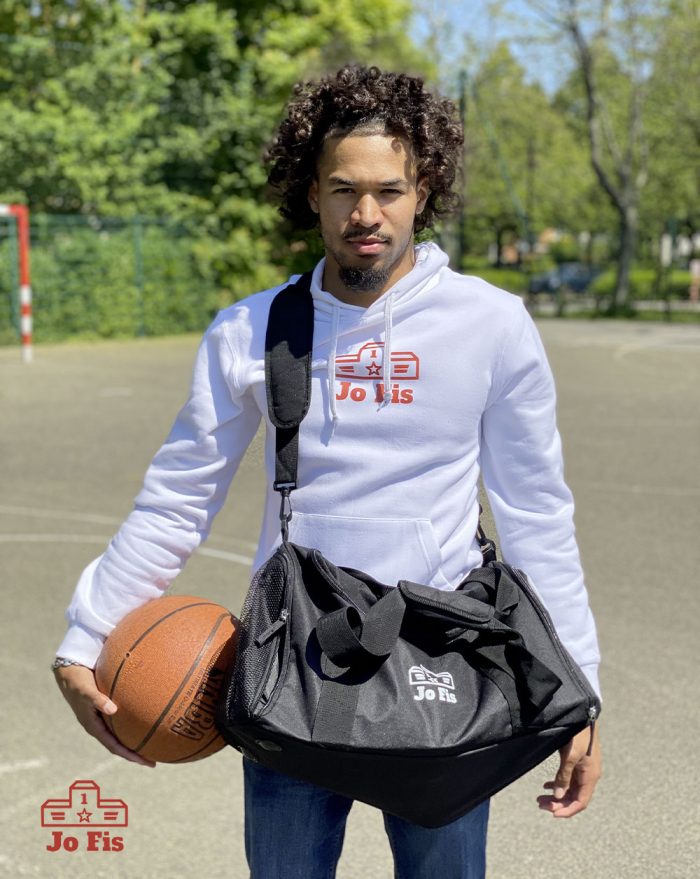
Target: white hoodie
388,467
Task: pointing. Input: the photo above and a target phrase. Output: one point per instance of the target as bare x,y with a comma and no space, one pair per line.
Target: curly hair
362,97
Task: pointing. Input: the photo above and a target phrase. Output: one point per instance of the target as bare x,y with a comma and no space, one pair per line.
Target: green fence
102,278
107,278
9,281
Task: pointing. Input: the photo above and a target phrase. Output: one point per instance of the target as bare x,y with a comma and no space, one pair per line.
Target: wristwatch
62,662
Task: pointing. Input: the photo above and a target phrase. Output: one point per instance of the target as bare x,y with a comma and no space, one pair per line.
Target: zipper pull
273,629
592,716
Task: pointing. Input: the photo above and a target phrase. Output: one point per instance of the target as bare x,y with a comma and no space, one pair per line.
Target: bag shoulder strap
288,347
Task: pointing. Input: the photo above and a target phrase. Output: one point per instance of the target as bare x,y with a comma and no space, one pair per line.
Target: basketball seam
215,736
148,631
189,674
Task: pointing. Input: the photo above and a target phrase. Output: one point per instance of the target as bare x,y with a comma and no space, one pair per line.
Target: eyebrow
341,181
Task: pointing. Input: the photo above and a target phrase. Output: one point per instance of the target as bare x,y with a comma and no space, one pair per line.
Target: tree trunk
499,247
623,183
629,224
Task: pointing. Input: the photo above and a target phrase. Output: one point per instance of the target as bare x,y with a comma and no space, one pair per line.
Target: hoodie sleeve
184,488
523,473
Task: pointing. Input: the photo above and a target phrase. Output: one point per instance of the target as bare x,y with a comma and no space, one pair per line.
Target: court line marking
103,541
626,348
224,554
12,662
624,488
91,518
34,799
22,765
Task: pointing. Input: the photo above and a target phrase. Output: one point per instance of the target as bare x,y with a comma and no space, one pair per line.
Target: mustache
360,236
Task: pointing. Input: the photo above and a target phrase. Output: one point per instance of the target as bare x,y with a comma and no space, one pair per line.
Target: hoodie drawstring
331,364
386,360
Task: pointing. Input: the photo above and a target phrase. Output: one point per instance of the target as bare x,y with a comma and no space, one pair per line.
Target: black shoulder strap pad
288,346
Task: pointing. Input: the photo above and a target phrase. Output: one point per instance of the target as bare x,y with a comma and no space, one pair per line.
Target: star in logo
373,369
84,816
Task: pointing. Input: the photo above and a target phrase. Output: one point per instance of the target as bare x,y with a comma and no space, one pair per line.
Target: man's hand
577,777
79,689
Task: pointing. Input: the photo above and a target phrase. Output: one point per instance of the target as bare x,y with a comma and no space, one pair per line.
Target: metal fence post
14,272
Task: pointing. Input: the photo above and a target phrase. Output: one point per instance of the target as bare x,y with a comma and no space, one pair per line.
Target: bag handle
346,638
354,645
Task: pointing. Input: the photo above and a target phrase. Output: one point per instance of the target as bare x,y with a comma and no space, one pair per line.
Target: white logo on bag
431,685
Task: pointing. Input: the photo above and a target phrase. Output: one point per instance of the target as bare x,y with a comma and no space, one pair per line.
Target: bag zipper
455,615
563,653
272,630
335,586
592,717
260,641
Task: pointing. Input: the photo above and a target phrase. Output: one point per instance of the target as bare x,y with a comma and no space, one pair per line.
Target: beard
364,280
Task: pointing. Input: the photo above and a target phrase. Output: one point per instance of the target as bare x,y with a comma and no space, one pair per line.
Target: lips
367,246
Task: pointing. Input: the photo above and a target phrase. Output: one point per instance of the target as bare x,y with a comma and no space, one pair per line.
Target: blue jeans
294,830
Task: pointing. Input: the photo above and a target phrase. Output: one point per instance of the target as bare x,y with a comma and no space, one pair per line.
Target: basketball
163,666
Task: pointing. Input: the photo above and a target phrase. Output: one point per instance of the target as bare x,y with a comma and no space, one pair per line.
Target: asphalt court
77,429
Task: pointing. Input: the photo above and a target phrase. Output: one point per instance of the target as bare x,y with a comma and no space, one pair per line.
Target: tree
611,43
673,123
164,107
526,170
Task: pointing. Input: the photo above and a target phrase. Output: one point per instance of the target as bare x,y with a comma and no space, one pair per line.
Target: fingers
567,764
100,731
566,807
574,800
93,723
576,779
90,707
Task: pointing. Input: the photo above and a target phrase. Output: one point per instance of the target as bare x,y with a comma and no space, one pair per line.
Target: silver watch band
62,662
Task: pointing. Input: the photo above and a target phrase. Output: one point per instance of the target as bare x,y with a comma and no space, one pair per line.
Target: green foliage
163,109
673,192
116,280
526,170
529,154
644,284
512,280
566,249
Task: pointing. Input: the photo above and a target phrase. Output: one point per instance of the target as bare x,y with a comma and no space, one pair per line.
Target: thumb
104,704
99,700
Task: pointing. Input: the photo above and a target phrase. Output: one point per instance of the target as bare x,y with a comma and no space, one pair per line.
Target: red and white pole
21,213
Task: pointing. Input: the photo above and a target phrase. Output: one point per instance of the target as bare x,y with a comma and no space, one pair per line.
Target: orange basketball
163,667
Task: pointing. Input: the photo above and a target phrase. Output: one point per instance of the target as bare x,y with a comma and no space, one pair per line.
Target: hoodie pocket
387,549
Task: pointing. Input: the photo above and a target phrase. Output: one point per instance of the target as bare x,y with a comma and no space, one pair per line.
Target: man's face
367,195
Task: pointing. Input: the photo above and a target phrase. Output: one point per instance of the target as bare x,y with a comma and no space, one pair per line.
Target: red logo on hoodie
368,364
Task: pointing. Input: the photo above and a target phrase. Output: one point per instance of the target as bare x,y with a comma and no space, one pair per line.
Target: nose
366,212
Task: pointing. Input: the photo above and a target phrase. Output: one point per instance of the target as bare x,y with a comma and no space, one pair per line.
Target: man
422,380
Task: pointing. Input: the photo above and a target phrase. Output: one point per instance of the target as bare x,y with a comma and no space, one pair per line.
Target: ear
313,196
422,194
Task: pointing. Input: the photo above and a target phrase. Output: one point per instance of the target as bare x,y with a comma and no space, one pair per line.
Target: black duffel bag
419,701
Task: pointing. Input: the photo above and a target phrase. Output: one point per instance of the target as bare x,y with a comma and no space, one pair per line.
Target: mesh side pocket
262,608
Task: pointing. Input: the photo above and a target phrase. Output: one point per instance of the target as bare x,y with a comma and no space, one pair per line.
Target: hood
333,318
